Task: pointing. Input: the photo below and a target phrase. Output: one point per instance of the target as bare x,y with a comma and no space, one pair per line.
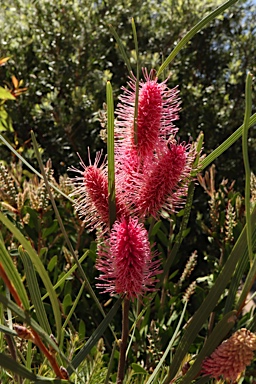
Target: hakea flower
158,107
164,181
91,190
231,358
125,260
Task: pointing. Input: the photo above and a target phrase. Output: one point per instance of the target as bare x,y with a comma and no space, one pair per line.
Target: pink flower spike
91,192
165,181
125,260
158,107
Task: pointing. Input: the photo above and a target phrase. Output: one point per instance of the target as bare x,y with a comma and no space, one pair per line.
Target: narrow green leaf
39,267
111,156
13,274
250,278
7,330
95,336
180,235
66,276
177,329
240,250
110,364
193,31
235,283
8,363
74,305
122,49
219,332
226,144
25,317
136,106
35,291
248,110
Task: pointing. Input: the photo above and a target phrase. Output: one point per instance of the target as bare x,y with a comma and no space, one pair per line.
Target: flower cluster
151,170
231,358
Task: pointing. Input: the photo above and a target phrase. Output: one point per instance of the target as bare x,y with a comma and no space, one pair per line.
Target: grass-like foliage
97,285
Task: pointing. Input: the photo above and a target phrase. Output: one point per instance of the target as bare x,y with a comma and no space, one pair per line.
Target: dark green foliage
65,52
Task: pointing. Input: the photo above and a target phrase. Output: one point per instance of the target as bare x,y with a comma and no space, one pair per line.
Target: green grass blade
206,20
25,317
74,305
111,155
39,267
240,250
35,291
226,144
180,236
121,47
13,274
177,329
248,110
96,335
7,330
136,106
64,277
234,285
24,161
8,363
250,278
219,332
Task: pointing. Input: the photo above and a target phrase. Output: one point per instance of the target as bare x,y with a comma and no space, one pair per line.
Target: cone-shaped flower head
125,260
158,107
231,358
165,181
91,189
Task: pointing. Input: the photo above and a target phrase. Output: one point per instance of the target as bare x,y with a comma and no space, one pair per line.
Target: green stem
123,347
248,108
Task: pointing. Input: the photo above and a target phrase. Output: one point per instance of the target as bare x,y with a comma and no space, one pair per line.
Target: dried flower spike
231,358
125,260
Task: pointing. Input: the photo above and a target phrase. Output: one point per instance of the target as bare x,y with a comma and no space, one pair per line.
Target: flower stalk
124,340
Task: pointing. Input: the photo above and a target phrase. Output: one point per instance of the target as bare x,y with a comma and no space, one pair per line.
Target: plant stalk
123,346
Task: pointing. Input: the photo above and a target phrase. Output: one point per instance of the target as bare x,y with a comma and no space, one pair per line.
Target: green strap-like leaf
111,156
39,267
122,49
35,291
248,110
25,317
193,31
240,250
95,336
218,334
13,274
177,329
136,106
226,144
8,363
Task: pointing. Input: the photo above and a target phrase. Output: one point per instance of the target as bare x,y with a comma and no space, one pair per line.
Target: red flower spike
125,260
91,189
158,107
160,187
